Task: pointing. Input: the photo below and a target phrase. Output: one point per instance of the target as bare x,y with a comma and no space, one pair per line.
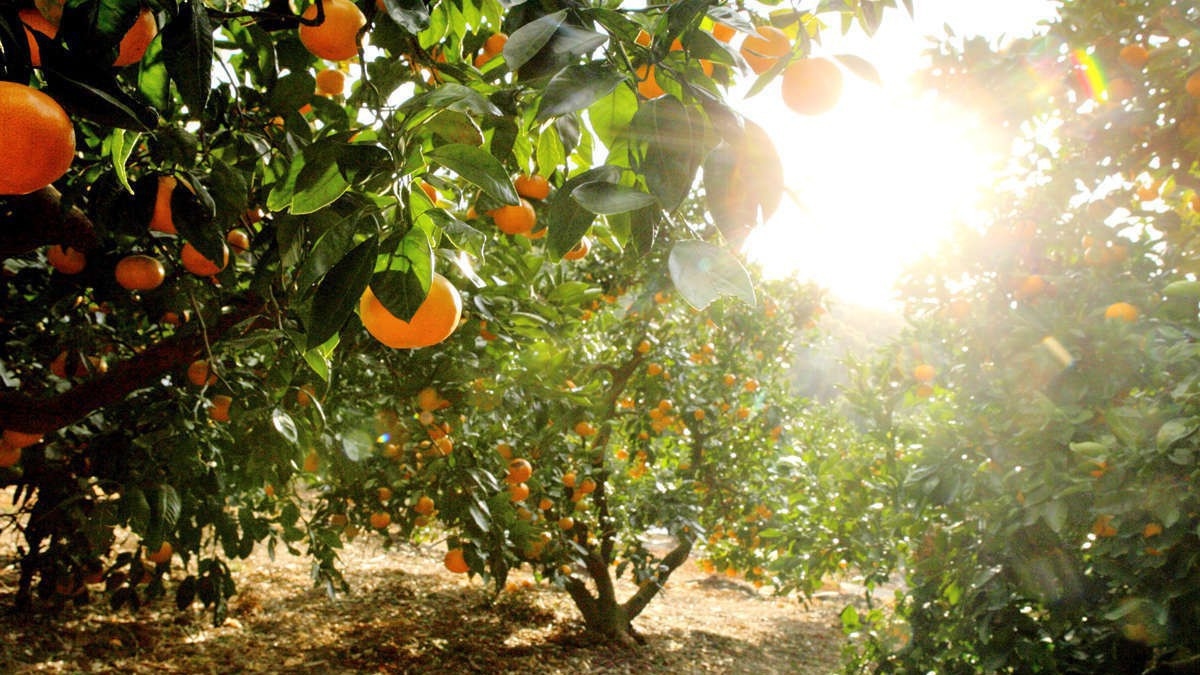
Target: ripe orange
532,186
1030,287
161,220
195,262
515,219
495,43
424,506
200,374
1193,85
1134,56
763,50
20,439
585,429
924,373
588,486
518,492
647,84
34,20
162,555
1151,530
66,260
812,86
384,493
580,250
336,38
429,400
137,39
331,82
139,272
568,479
723,33
654,369
1122,311
504,450
381,519
566,523
38,143
9,455
433,322
305,395
238,240
519,471
312,462
219,412
455,561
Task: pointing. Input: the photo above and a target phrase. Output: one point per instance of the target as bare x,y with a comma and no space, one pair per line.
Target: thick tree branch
650,588
44,415
584,601
37,219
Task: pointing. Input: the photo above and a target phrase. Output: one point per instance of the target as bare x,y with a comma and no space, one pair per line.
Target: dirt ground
406,614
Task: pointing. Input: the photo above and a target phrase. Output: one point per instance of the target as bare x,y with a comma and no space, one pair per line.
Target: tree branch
37,219
650,588
20,412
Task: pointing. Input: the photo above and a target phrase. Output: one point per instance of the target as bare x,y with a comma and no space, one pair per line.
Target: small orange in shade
647,83
305,395
312,461
519,471
495,43
384,493
580,250
139,272
1030,287
587,487
585,429
763,50
162,555
336,38
1151,530
35,21
1103,527
1134,56
162,220
200,373
566,523
238,240
1122,311
331,82
20,439
195,262
515,219
137,39
66,260
455,561
380,520
424,505
723,33
568,479
924,373
219,412
1193,85
435,319
518,492
9,455
532,186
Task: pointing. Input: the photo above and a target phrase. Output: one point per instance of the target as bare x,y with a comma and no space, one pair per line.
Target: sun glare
877,183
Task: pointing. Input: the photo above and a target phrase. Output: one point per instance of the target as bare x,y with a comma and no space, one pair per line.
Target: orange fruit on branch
924,373
331,82
812,86
137,39
195,262
38,143
162,555
66,260
515,218
162,219
36,21
140,272
495,44
335,38
1122,311
763,50
455,561
519,471
435,319
1134,55
238,240
532,186
200,373
219,412
380,520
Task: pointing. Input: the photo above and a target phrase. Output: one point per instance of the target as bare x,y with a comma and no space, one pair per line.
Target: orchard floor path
407,614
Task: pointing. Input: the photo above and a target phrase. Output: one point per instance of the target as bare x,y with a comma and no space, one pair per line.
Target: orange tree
182,290
1036,425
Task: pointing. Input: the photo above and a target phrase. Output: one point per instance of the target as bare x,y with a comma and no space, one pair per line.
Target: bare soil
407,614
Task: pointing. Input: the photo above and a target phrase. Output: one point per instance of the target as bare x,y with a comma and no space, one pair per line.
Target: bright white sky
879,180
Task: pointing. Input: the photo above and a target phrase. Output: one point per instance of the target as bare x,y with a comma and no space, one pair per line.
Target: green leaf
703,272
743,182
167,506
525,42
577,87
610,198
411,15
285,425
550,152
119,146
357,445
677,145
860,67
451,96
478,167
188,54
320,358
337,241
453,126
568,220
291,92
337,296
402,286
1173,431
